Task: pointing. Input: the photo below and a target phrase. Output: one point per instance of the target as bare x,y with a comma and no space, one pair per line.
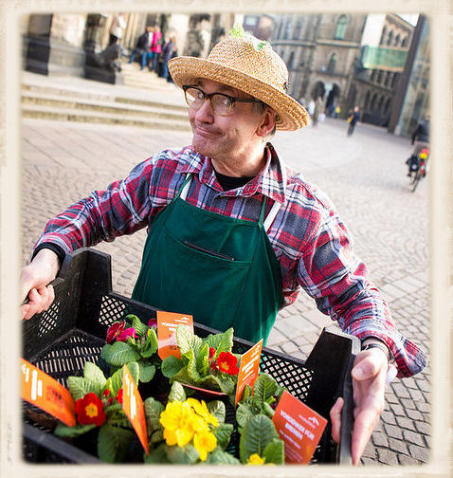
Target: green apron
221,270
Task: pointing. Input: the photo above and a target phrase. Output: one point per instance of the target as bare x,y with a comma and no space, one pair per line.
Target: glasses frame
209,96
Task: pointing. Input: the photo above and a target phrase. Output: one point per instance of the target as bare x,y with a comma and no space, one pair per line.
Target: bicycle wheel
416,180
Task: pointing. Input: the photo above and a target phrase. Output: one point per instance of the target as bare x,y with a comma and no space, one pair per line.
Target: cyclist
420,137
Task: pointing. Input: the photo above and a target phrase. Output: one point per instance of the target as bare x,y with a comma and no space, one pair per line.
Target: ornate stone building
320,52
385,45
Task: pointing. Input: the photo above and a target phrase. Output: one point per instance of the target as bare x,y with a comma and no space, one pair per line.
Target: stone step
119,106
91,116
53,90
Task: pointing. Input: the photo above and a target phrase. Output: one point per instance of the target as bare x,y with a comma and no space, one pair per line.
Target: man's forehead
220,87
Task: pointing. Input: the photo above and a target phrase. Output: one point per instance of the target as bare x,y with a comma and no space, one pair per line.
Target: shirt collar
270,181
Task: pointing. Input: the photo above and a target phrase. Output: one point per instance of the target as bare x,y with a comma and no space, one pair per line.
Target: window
387,78
395,79
332,63
379,78
291,61
298,28
367,100
340,30
397,40
404,41
288,26
382,40
390,38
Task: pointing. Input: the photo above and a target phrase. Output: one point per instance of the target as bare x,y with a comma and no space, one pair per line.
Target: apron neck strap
182,193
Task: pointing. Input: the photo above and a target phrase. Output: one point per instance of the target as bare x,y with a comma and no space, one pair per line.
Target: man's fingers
335,418
364,424
39,301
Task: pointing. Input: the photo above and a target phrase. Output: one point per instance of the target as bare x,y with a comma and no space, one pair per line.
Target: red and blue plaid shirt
308,237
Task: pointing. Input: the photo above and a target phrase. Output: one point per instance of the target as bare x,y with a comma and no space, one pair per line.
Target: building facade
320,52
384,49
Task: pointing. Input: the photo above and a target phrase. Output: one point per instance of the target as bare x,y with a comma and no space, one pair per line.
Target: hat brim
291,115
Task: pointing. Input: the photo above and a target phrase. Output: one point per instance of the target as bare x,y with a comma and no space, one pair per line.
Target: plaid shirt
308,237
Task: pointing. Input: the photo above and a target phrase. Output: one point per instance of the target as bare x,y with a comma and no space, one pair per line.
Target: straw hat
251,66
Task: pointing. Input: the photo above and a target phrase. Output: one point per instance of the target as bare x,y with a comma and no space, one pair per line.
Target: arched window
397,40
289,23
404,41
379,78
390,38
373,75
395,79
291,61
332,63
367,100
340,30
382,40
387,105
380,106
387,78
298,28
373,102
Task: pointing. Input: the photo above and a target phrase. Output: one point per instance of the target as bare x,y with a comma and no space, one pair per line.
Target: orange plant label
45,392
299,427
166,328
133,408
249,369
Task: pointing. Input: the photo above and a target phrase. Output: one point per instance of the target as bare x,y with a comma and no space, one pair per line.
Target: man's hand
368,385
34,283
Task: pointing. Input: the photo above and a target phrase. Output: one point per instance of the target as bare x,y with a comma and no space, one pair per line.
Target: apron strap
271,216
185,188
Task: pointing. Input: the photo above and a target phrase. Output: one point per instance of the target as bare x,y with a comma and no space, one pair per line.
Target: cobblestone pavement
364,175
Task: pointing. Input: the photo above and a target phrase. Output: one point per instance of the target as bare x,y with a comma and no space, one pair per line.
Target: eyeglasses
221,104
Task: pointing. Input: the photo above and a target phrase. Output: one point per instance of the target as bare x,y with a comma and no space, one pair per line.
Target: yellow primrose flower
204,442
255,459
203,411
170,418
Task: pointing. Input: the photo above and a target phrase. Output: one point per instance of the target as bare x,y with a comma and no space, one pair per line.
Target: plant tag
299,427
133,408
45,392
249,369
166,328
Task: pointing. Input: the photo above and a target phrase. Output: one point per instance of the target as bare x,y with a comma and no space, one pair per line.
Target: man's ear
268,119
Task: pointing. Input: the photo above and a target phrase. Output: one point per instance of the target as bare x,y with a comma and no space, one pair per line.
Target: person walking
142,48
229,223
353,120
156,48
317,110
167,53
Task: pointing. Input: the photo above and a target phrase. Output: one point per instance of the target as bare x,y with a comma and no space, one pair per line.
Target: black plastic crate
73,331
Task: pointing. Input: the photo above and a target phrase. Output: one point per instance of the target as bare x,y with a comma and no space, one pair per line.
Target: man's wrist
373,342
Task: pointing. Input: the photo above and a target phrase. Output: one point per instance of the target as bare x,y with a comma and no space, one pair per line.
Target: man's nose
205,112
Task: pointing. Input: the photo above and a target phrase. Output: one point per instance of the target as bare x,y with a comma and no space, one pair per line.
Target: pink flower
114,330
126,333
152,323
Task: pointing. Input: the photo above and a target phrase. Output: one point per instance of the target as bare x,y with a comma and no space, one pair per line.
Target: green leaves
220,457
153,409
182,455
223,434
222,342
171,366
275,452
113,443
151,344
217,409
177,393
265,387
119,353
64,431
257,434
93,381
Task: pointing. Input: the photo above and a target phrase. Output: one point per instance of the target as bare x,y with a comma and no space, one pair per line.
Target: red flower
119,397
228,363
90,409
211,353
106,392
114,330
213,366
152,323
126,333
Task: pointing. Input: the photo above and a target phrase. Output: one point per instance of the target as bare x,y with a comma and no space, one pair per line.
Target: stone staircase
143,100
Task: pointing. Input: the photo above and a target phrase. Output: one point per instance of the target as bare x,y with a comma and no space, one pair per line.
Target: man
353,120
233,234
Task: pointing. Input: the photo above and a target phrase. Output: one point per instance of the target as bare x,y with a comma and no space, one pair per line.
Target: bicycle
419,167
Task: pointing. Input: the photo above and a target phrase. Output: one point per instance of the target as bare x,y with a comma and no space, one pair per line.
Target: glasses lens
221,104
194,96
